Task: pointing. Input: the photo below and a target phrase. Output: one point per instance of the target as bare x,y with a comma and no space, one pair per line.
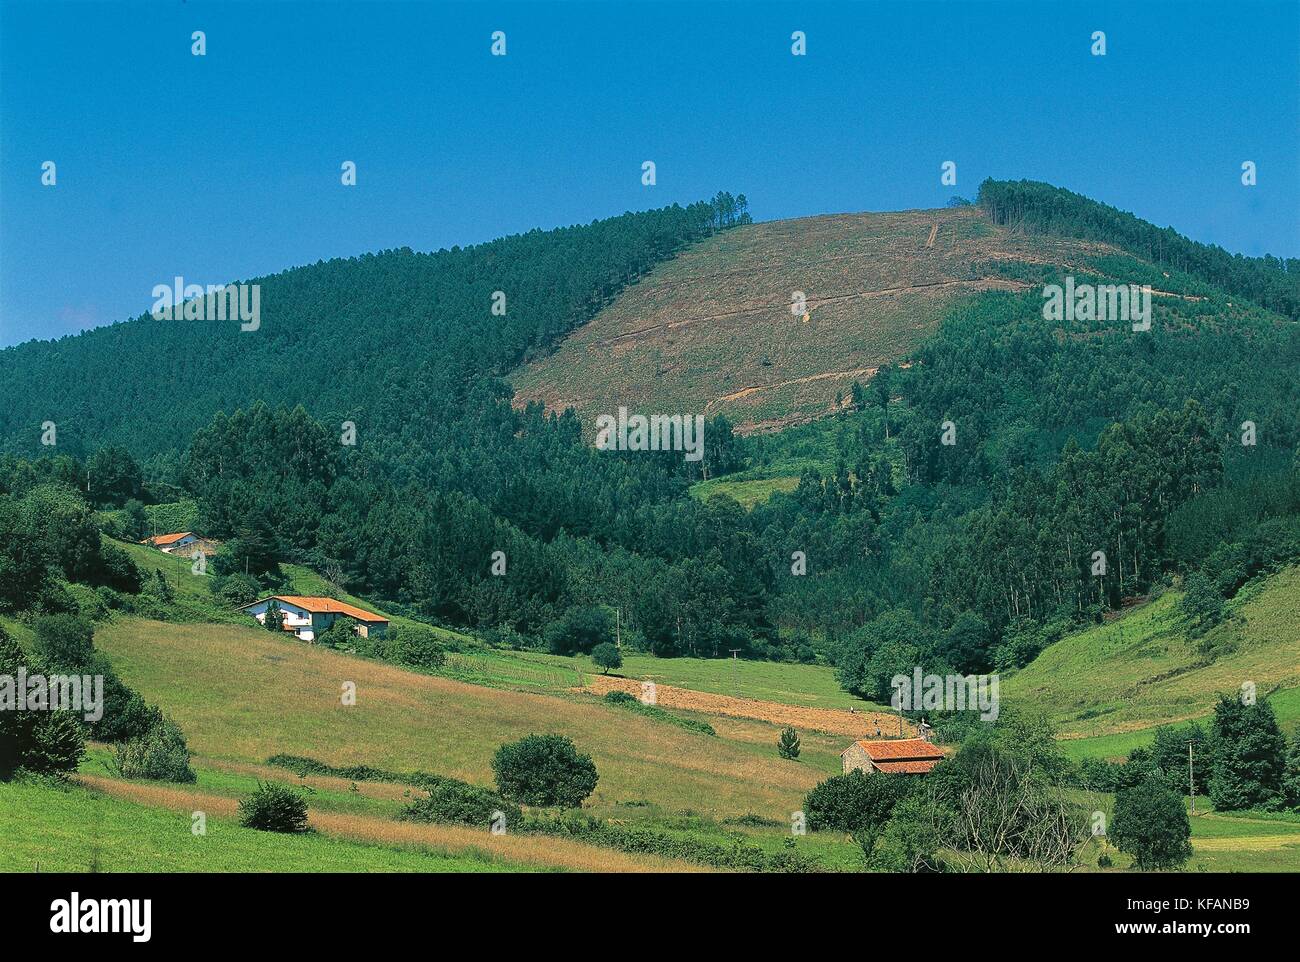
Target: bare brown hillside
712,330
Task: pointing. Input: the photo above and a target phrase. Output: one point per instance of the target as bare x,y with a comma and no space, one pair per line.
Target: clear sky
227,166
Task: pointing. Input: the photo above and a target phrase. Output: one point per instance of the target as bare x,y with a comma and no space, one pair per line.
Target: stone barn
906,756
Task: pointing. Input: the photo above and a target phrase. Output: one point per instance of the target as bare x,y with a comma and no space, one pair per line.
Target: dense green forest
1073,443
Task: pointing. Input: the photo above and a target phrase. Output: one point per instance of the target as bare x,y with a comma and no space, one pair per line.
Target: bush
234,590
544,770
341,634
1201,604
57,746
416,646
274,808
160,753
45,743
1151,824
855,802
63,642
454,801
910,840
606,656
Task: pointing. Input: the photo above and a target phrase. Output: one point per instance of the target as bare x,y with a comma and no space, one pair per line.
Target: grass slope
74,830
1108,683
242,695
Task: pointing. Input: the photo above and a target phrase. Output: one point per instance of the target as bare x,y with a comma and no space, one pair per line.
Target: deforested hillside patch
716,330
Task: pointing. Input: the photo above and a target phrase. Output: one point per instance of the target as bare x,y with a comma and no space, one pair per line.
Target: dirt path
982,284
747,391
832,721
934,231
537,850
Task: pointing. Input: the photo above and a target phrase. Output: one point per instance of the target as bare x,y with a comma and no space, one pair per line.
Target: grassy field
242,695
747,491
73,829
1141,670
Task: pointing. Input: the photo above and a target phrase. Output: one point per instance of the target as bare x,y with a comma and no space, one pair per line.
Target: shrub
57,746
274,808
46,743
909,841
160,753
416,646
235,589
450,800
632,703
117,570
855,802
544,770
1151,824
341,634
63,642
606,656
1201,604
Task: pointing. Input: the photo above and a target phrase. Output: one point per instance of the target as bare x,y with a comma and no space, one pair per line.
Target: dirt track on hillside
537,850
832,721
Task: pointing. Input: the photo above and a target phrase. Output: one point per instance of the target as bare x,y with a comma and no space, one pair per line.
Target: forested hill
1017,477
337,336
1271,282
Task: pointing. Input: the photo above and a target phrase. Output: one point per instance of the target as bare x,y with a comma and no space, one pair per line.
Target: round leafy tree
607,657
544,770
855,802
1151,824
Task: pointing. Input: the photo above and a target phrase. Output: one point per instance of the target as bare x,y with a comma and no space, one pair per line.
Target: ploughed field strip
712,330
836,722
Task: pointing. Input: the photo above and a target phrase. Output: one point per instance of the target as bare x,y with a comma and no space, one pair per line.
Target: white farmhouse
307,616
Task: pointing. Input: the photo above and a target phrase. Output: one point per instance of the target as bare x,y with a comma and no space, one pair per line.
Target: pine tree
1248,753
788,744
274,620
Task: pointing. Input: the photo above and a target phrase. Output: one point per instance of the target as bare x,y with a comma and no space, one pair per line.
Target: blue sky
226,166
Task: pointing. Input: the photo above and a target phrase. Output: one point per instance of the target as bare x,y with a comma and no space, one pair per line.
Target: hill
347,338
1141,669
712,330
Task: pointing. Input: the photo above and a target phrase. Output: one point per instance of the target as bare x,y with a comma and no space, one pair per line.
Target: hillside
712,330
1141,670
346,338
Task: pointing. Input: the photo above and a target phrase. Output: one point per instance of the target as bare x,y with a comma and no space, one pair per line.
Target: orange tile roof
916,767
166,539
901,749
327,606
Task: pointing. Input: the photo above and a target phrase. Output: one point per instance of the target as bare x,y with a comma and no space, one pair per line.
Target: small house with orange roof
905,756
182,542
308,616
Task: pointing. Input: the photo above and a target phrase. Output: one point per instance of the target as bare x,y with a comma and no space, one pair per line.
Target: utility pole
618,627
1191,778
735,667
